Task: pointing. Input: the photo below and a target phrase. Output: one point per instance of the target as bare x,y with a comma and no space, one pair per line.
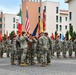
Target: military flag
27,25
20,22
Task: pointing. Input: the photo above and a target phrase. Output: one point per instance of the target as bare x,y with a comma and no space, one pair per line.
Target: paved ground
57,67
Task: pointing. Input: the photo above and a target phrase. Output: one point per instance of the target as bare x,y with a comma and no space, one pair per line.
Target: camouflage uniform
65,45
58,46
19,49
75,47
13,51
8,46
43,41
32,50
0,49
70,47
24,45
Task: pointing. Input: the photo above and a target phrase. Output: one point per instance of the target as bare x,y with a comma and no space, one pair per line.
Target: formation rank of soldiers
25,48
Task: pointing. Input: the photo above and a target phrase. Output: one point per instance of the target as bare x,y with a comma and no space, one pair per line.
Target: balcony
67,1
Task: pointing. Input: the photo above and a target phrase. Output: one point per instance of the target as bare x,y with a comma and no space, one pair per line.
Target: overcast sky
12,6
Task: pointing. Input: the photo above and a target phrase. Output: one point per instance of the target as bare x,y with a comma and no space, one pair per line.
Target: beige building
10,22
1,15
56,19
72,12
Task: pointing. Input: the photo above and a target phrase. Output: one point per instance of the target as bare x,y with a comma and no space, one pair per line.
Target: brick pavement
58,67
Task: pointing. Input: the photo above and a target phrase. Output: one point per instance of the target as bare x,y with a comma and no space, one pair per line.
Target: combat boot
12,62
43,65
23,64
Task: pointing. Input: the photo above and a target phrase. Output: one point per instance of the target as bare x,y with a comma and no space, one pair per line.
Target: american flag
27,26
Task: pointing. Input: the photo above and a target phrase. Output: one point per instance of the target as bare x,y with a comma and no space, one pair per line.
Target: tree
11,35
67,35
56,34
71,31
4,37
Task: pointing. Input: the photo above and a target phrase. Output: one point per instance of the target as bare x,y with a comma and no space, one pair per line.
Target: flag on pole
62,37
20,22
44,21
35,30
52,36
6,34
27,26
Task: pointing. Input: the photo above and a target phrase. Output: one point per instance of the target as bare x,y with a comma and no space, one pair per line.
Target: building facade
1,15
56,19
72,13
33,7
10,22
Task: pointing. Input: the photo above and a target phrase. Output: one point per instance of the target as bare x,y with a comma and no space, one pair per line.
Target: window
13,19
13,26
56,18
17,26
4,18
45,8
60,28
70,15
60,19
0,19
4,25
0,31
65,18
0,25
4,31
56,10
65,26
56,27
38,9
23,0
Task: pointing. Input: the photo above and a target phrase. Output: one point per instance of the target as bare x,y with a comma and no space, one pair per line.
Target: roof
63,10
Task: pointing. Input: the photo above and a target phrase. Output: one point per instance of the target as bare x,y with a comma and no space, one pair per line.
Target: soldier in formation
25,48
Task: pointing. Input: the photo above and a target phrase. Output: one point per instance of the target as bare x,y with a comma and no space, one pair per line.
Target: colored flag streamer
62,37
35,30
44,21
52,36
6,34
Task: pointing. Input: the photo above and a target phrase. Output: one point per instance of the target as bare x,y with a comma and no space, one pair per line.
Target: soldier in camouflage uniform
32,50
58,46
43,41
19,49
24,45
8,46
13,51
0,49
75,46
70,47
65,47
49,52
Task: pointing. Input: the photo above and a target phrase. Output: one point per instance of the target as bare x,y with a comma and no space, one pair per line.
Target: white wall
51,16
72,8
9,23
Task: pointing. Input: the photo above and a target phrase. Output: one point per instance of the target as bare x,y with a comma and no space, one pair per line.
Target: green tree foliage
67,35
71,31
11,35
4,37
56,34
